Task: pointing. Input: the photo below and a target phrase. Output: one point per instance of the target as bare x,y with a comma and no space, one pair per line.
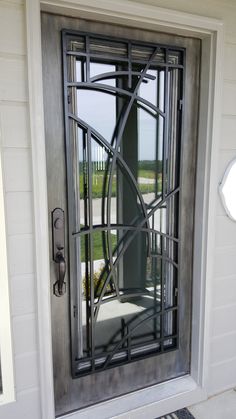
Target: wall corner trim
35,87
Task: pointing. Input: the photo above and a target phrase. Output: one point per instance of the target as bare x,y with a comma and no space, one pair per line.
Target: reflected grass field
97,245
98,183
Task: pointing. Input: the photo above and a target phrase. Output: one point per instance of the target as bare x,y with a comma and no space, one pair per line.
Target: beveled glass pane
77,44
175,57
108,47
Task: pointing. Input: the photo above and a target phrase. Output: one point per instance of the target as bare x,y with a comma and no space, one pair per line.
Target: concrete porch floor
222,406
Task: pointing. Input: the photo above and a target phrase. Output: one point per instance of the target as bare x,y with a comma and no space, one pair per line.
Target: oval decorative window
227,190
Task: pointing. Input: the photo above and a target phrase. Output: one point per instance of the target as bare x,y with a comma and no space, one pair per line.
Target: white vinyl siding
17,179
223,343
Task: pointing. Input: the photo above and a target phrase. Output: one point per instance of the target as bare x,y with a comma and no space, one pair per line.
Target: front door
121,127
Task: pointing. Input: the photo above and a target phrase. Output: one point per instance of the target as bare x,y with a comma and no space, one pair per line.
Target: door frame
186,390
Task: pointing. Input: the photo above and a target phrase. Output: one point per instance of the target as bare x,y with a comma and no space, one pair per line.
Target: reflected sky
99,110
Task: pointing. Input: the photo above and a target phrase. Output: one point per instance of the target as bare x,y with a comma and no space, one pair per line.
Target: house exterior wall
17,179
15,143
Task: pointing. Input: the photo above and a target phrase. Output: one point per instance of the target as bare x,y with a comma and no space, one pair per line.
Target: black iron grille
123,110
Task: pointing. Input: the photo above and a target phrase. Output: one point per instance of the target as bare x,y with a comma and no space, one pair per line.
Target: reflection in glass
126,179
102,117
98,71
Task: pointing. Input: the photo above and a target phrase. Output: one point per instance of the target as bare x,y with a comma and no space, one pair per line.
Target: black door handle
60,285
58,246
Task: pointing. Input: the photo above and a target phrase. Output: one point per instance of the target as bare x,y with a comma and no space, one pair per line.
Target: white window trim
160,399
6,355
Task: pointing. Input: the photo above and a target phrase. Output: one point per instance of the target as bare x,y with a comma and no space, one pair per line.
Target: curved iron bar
116,151
100,301
105,270
110,180
106,178
101,139
114,273
104,234
127,244
118,141
125,293
106,239
104,198
121,161
142,75
122,239
165,258
146,109
160,312
104,227
135,317
112,297
135,219
111,149
114,74
114,90
119,296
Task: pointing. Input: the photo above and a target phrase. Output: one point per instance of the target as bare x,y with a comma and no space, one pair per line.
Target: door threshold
150,402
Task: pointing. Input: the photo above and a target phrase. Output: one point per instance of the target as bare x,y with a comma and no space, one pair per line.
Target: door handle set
58,247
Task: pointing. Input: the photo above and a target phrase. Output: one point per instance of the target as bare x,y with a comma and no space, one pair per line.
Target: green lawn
98,179
97,185
149,174
97,246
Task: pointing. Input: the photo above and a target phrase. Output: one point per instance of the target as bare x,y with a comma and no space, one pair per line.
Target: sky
99,110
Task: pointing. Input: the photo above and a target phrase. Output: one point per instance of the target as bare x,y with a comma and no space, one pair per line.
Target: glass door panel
124,120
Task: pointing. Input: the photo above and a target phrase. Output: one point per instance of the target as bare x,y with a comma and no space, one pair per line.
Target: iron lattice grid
132,61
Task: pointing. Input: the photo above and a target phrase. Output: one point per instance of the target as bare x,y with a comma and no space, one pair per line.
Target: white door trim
35,86
7,388
187,390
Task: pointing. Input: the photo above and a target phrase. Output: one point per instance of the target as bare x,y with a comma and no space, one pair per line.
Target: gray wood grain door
121,109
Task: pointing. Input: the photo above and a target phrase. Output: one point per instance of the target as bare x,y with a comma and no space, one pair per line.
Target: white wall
16,158
16,154
223,342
